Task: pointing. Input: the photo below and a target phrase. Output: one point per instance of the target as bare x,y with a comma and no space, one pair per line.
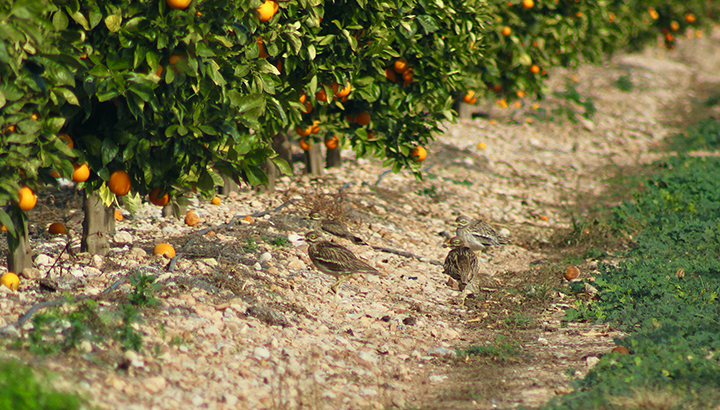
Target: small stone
97,261
437,378
155,384
86,346
137,254
230,400
197,401
592,361
409,321
297,264
440,351
123,237
265,257
31,273
257,266
261,353
273,270
43,260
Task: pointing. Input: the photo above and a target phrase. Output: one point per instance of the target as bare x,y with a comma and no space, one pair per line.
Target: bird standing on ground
461,264
335,260
478,234
333,226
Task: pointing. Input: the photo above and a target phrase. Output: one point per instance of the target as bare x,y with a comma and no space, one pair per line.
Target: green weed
22,389
624,83
500,350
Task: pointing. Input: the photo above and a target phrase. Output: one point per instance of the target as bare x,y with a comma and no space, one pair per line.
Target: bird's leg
335,285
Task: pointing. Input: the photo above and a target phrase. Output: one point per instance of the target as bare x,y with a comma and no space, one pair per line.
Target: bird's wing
337,258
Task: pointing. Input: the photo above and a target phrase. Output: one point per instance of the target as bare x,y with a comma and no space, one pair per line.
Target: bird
335,260
461,264
333,226
478,234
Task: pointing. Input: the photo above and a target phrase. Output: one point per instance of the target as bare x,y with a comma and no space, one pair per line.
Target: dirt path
245,321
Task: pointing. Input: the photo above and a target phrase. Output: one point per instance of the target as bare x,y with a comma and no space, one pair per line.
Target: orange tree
384,75
529,36
36,83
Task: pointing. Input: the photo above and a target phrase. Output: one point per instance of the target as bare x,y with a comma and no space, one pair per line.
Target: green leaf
60,20
7,221
311,52
113,23
282,165
109,150
428,23
250,102
132,202
2,99
81,20
67,95
53,125
205,181
106,196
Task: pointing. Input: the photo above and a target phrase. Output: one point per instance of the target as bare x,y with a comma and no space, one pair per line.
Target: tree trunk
19,250
271,171
95,234
282,147
229,186
332,158
313,161
174,210
110,219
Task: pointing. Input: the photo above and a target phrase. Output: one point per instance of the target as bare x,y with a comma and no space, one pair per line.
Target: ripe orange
267,10
390,74
308,107
332,143
164,249
674,26
620,350
216,201
653,14
303,132
81,173
528,4
690,18
303,97
28,199
34,116
469,96
3,228
611,17
520,94
572,273
578,14
118,215
501,103
400,65
11,128
158,200
321,95
534,69
65,137
305,145
261,47
669,37
315,127
57,228
342,93
178,4
191,218
54,174
10,280
408,75
363,118
176,57
506,31
119,183
418,154
517,104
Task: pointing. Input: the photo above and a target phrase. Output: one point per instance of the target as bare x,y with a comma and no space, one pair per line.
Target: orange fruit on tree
534,69
332,143
321,95
303,132
10,280
408,75
669,37
400,65
3,228
674,26
178,4
119,183
176,58
690,18
308,107
216,201
303,98
57,228
506,31
305,145
611,17
267,10
528,4
118,215
390,74
191,218
315,127
66,138
81,173
164,249
155,199
34,116
343,92
620,350
418,154
261,47
27,199
54,174
520,94
363,118
469,96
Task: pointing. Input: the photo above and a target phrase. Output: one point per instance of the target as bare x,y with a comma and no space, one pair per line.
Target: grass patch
23,390
705,135
500,350
665,292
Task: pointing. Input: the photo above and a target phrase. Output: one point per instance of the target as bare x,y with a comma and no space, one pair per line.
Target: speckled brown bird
478,234
333,226
335,260
461,263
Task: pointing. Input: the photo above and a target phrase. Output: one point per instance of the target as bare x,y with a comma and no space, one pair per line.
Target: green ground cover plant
23,390
664,292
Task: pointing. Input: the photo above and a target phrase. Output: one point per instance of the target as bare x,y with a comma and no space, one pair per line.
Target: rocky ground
245,321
